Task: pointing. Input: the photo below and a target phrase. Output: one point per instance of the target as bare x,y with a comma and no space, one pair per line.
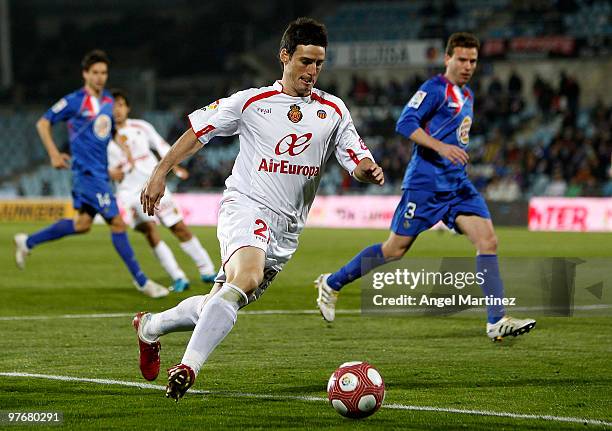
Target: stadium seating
21,148
490,18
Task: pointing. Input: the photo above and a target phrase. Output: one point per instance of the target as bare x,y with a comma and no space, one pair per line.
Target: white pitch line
317,399
113,315
296,312
67,316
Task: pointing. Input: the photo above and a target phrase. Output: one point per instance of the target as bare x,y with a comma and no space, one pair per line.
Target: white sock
217,320
168,261
183,317
199,255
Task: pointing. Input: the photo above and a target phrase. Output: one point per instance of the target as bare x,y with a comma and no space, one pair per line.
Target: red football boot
149,352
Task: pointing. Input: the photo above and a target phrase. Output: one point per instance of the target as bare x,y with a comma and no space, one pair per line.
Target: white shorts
168,214
243,223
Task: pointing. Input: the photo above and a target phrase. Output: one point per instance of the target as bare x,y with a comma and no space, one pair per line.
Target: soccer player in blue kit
436,187
89,116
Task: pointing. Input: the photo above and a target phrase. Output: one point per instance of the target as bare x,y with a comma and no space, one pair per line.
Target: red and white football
356,390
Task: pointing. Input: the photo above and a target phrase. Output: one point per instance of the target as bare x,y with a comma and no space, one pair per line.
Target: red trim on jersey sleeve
107,99
322,101
204,130
207,129
353,156
260,96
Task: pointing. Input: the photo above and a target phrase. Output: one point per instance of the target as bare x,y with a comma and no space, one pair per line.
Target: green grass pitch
563,368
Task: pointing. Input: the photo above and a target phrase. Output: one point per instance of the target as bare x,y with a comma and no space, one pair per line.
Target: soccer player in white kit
287,133
130,176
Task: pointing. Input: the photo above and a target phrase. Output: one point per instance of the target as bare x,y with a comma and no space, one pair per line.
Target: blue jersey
445,112
90,125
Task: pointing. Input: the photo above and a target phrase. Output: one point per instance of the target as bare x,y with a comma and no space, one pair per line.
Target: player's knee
118,228
181,231
150,232
117,225
82,226
152,238
488,244
393,251
247,280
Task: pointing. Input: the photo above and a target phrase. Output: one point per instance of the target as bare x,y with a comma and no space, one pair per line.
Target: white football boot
152,289
21,249
509,326
326,301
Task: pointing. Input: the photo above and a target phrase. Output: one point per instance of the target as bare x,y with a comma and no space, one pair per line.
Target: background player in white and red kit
287,133
141,138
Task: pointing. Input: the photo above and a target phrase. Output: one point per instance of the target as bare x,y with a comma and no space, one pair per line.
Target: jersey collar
464,89
278,86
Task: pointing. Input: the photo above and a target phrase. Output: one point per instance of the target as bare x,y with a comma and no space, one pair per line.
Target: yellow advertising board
35,209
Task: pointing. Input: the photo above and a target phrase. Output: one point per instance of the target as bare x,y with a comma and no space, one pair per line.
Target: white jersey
285,142
141,139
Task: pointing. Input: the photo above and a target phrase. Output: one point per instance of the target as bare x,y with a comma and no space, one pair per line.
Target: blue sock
357,266
493,285
59,229
124,249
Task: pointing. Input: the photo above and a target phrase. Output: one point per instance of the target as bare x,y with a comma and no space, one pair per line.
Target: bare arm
58,160
180,172
184,147
451,152
369,172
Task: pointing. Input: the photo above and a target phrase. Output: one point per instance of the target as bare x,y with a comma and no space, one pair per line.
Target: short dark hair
120,94
462,40
93,57
303,31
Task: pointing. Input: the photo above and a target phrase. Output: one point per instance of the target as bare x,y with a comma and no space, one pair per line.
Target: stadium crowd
552,147
544,144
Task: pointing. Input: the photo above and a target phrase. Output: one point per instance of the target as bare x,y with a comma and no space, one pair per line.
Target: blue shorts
94,195
419,210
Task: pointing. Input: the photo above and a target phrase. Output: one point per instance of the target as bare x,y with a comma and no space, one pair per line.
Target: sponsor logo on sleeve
212,106
417,99
59,105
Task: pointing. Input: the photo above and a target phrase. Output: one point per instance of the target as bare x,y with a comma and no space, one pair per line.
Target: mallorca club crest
294,114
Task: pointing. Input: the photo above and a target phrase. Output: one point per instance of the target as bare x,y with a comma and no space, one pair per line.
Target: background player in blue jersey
436,187
88,113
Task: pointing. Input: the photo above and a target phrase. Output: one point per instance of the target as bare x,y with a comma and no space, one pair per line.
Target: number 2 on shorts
260,231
